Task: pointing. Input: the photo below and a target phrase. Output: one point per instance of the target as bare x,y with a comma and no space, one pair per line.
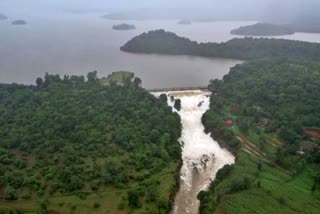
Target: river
202,156
66,43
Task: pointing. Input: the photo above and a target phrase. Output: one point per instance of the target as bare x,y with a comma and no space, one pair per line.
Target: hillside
271,105
262,29
163,42
67,139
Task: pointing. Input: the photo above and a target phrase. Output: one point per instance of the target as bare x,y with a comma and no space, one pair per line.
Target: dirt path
252,149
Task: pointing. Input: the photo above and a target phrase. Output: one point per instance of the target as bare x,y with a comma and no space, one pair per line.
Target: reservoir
66,43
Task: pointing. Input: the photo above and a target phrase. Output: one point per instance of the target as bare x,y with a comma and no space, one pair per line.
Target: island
19,22
163,42
3,17
263,29
185,22
123,27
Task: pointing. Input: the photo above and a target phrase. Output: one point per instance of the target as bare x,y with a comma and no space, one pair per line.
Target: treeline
73,134
262,29
162,42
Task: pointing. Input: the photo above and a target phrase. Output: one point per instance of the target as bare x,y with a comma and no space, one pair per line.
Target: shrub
96,205
238,185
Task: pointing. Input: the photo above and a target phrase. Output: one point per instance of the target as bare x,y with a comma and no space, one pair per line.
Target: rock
204,159
200,104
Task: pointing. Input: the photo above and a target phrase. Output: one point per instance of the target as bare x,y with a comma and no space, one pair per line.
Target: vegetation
307,25
118,78
163,42
19,22
262,29
3,17
271,103
69,139
185,22
123,27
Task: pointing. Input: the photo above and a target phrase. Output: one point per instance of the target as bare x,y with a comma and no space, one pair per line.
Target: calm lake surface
77,44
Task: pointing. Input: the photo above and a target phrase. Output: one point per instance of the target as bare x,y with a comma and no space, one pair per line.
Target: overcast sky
225,6
146,3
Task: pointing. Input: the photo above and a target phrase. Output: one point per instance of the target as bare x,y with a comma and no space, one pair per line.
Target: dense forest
75,137
162,42
262,29
275,109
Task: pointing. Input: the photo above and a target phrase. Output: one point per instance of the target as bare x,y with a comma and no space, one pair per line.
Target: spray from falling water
202,156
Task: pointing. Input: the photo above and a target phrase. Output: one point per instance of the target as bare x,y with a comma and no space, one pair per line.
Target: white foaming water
202,156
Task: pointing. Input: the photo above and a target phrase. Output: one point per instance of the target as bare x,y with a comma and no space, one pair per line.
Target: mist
264,10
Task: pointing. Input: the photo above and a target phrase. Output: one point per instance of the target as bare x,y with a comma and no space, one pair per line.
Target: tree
163,98
238,185
163,205
10,193
39,82
288,135
137,82
259,166
75,183
243,126
92,76
215,86
224,172
133,199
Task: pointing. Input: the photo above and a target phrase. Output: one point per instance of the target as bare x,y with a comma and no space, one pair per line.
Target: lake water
77,44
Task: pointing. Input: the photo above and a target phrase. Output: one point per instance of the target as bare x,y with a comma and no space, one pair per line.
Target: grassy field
279,191
272,188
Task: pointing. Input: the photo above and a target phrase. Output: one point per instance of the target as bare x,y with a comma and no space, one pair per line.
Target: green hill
162,42
271,103
262,29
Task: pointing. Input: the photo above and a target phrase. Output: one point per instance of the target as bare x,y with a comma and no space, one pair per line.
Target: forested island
123,27
306,26
19,22
76,145
3,17
185,22
262,29
162,42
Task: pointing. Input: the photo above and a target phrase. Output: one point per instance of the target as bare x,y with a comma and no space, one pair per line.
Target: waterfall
202,156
